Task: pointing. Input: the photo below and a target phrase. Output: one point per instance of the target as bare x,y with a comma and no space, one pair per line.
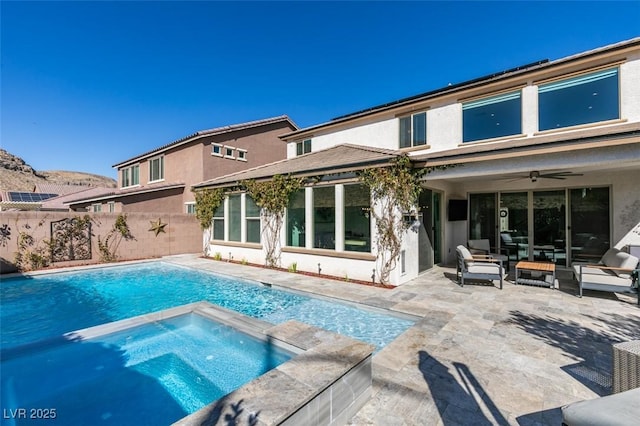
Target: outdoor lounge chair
483,247
617,409
478,267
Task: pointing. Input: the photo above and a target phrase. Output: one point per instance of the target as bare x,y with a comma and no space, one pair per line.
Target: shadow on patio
457,393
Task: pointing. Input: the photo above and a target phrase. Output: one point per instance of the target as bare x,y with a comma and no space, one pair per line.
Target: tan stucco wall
182,234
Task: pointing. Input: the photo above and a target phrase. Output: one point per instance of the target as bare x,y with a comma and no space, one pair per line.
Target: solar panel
30,197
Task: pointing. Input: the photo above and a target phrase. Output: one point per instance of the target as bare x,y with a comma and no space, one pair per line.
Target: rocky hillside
16,175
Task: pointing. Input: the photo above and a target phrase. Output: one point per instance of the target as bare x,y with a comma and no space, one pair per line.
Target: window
588,98
112,206
252,217
413,130
96,208
190,208
242,154
228,152
156,169
492,117
218,223
357,220
324,218
216,149
235,221
130,176
303,147
296,220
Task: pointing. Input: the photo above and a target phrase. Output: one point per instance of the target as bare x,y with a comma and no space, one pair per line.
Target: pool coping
326,382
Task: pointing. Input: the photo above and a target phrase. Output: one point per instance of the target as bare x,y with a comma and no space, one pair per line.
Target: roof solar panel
30,197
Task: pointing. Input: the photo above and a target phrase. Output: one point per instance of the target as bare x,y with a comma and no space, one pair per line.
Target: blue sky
86,85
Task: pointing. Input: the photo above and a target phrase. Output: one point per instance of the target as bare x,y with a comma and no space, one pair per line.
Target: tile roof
61,202
113,194
210,132
60,189
343,157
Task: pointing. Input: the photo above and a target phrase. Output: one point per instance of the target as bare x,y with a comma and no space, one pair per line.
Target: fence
69,238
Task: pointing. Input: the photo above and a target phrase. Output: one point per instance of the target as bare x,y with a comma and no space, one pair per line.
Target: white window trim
225,152
130,171
186,207
111,206
217,145
98,206
149,162
244,154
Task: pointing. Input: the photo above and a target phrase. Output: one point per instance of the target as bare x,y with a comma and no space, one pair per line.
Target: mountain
16,175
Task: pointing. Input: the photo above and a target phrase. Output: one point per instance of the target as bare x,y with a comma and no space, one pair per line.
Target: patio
479,355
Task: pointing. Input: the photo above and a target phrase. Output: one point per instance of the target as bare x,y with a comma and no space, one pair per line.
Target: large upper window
252,217
303,147
583,99
296,220
130,176
156,169
413,130
492,117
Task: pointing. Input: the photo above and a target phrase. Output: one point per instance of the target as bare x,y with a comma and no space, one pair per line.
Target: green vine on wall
207,202
32,253
273,198
108,248
394,190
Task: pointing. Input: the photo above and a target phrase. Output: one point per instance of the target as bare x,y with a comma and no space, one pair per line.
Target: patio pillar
308,217
339,225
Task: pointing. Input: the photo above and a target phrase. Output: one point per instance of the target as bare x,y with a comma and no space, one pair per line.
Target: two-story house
160,180
544,161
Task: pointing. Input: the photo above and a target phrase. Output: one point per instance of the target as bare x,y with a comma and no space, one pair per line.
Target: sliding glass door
549,227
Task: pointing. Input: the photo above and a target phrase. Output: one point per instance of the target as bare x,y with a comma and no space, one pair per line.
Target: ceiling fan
535,175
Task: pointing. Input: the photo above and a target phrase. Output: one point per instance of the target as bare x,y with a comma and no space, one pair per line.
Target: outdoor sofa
618,409
615,272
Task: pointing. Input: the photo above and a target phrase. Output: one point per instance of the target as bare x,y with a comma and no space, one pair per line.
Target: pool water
151,374
46,306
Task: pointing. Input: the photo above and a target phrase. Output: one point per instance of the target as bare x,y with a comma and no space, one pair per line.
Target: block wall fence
182,234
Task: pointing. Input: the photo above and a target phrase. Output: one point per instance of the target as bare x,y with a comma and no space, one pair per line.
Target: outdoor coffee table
536,273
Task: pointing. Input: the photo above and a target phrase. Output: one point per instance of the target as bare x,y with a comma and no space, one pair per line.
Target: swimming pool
154,373
45,306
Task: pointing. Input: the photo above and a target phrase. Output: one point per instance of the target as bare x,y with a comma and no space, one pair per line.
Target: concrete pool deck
478,355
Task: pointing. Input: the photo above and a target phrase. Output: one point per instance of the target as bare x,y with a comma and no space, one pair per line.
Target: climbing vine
108,248
207,202
394,190
32,253
273,198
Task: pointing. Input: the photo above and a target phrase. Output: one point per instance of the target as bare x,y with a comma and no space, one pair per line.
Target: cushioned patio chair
483,247
478,267
618,409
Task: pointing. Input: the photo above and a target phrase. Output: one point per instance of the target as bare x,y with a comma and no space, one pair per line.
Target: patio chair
478,267
483,247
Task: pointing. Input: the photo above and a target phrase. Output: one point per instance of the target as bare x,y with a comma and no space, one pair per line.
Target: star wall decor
157,226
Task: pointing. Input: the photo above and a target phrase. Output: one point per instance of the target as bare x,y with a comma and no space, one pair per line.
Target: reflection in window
253,220
589,223
296,220
156,169
218,223
324,226
357,221
492,117
584,99
235,221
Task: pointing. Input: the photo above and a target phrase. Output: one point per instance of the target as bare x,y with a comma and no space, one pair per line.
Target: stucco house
160,180
545,163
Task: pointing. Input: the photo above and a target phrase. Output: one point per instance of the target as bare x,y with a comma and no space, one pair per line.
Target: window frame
248,219
487,101
96,208
160,160
219,149
303,147
574,81
242,154
112,206
188,205
412,130
128,172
